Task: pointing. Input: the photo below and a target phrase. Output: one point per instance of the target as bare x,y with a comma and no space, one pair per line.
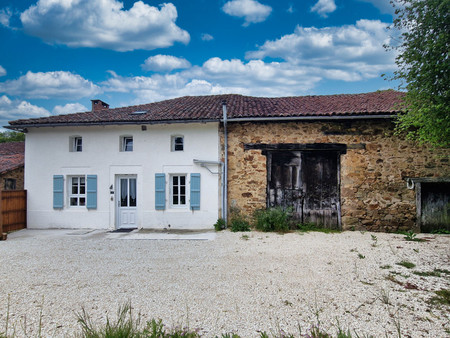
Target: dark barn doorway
308,182
306,178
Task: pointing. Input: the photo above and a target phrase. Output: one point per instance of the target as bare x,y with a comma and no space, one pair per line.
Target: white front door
127,202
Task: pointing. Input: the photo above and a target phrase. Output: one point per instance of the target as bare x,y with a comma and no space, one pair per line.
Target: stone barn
336,161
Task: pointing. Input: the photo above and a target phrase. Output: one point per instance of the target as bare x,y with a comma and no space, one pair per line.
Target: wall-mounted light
143,127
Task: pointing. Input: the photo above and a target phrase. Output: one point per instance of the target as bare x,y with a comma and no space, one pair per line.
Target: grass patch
406,264
442,297
434,273
307,227
385,267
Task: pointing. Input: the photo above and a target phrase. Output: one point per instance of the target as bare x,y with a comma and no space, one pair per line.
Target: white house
114,174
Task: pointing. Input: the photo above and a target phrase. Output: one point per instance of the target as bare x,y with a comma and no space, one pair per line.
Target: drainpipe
225,164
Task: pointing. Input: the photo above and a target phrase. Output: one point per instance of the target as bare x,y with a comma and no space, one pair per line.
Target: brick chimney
99,105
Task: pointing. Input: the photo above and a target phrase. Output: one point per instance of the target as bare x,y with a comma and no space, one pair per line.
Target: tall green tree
423,69
11,136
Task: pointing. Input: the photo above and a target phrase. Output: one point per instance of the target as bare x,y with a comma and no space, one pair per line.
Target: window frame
124,145
79,196
9,183
74,146
178,204
174,144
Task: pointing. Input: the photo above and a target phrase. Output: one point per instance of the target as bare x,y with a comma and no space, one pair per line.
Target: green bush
220,224
239,223
272,219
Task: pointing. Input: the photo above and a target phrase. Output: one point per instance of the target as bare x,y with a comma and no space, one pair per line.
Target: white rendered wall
47,154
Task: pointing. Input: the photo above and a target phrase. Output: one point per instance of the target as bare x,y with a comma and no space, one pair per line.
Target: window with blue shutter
91,191
58,191
160,191
195,191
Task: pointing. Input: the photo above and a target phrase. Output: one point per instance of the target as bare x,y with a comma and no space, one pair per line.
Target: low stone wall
374,195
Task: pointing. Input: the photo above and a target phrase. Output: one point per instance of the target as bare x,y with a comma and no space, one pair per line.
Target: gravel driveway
230,282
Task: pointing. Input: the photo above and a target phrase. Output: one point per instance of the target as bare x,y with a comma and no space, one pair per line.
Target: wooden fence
13,210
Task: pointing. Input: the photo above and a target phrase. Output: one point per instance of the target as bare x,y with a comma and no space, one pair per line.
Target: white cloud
217,76
324,7
353,51
384,6
251,10
207,37
18,109
57,84
2,71
161,63
104,24
69,108
5,16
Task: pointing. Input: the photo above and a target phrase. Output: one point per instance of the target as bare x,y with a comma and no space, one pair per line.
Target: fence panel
13,210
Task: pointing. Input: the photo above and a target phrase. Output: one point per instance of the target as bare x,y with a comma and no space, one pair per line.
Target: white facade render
123,176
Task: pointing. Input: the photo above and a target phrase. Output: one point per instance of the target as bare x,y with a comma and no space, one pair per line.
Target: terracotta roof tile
206,108
11,156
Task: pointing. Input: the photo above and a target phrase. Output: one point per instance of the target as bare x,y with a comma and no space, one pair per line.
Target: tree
423,69
11,136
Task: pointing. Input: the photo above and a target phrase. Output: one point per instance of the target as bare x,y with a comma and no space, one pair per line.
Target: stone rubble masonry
16,174
373,191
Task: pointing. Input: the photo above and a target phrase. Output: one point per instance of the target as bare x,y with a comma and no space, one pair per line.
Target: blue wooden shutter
160,191
195,191
58,191
91,192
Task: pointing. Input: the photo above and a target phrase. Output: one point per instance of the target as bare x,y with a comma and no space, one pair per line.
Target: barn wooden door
307,182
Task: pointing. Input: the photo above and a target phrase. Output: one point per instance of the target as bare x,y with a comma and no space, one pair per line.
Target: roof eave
311,118
24,126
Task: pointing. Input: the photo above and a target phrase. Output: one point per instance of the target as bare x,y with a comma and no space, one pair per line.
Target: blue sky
57,55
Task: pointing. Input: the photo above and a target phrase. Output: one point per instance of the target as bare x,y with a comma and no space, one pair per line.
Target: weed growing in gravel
442,297
374,240
434,273
406,264
385,267
384,296
412,236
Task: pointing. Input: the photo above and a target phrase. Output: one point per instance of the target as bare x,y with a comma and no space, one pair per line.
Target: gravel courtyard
240,282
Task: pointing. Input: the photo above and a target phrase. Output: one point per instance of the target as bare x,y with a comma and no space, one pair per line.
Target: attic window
139,112
126,143
76,144
177,143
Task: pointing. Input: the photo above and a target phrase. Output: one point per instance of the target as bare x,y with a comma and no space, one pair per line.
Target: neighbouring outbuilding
182,163
12,165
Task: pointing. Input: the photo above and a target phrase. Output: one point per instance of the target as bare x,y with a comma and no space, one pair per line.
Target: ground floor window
77,196
9,184
178,190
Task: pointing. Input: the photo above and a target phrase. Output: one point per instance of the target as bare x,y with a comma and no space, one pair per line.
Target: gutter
118,123
225,169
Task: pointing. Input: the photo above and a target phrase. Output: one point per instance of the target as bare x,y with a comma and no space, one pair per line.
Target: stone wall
373,189
16,174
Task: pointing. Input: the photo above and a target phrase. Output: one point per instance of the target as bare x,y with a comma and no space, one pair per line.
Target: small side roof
11,156
209,108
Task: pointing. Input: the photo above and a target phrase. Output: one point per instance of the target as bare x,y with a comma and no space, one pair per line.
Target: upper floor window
127,143
77,195
76,144
177,143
